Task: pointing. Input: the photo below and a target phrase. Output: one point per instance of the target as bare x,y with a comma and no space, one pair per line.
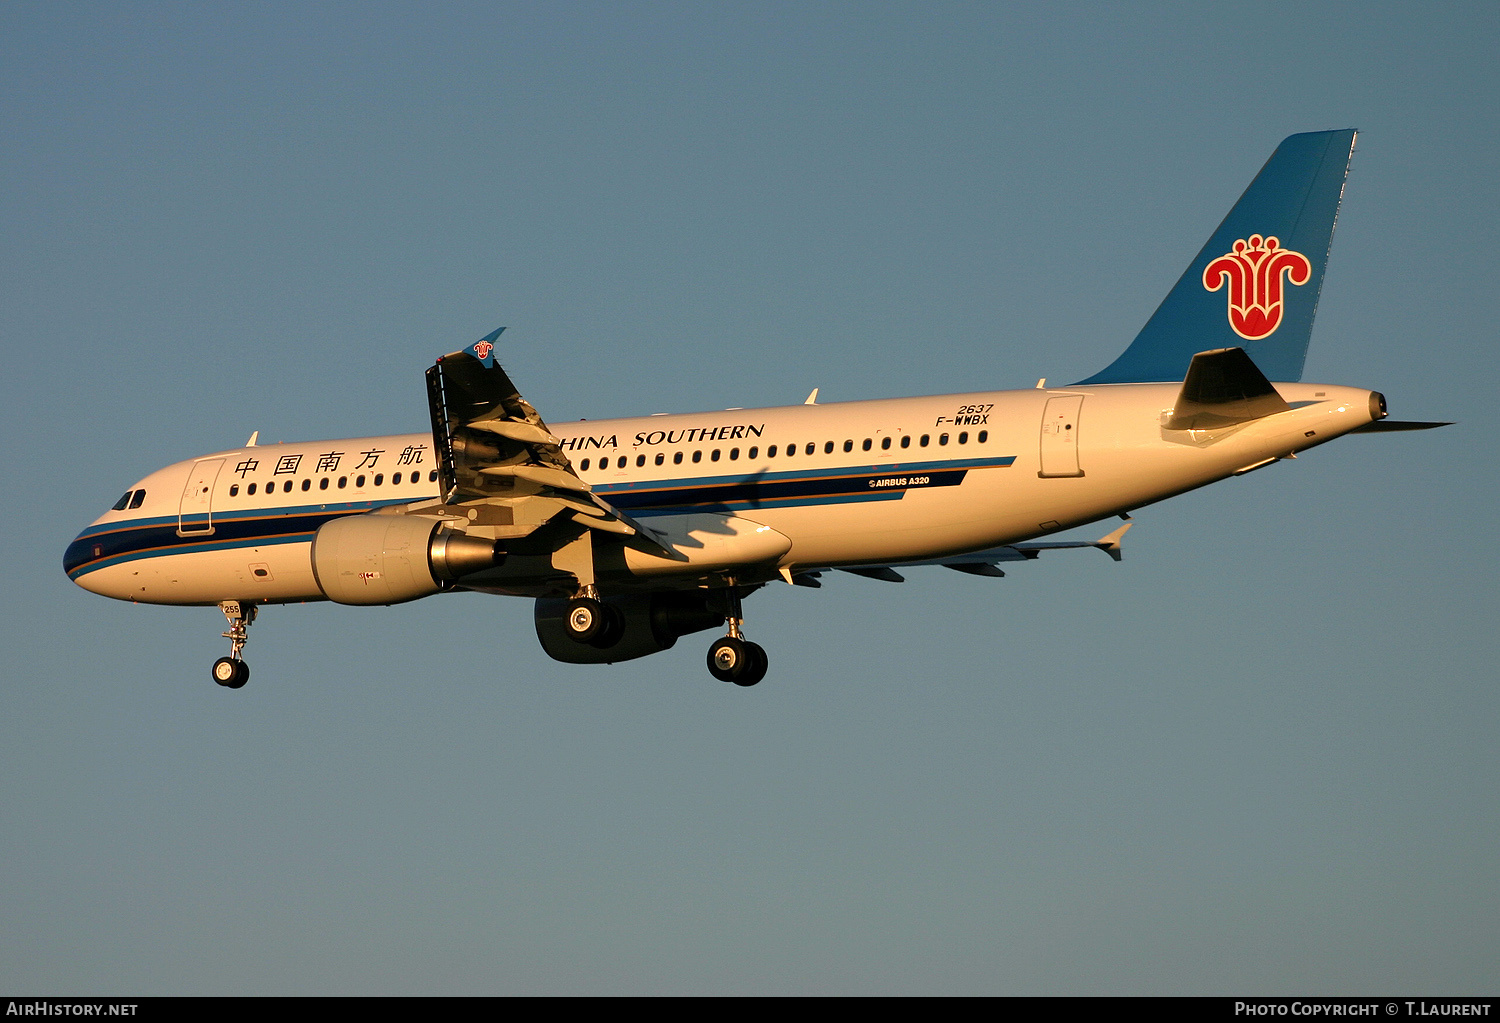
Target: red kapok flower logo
1254,272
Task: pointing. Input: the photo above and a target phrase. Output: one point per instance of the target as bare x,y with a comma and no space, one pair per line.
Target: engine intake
390,559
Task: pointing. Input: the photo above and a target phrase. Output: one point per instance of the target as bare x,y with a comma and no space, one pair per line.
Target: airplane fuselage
847,484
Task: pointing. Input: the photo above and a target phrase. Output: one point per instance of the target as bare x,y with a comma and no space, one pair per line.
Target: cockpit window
123,501
135,502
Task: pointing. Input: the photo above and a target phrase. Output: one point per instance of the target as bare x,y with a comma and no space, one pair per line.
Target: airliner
631,533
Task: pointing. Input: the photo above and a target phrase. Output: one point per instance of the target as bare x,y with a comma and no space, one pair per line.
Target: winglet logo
483,349
1254,272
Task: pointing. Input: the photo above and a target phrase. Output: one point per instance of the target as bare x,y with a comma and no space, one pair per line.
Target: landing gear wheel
231,673
613,629
755,669
587,619
735,660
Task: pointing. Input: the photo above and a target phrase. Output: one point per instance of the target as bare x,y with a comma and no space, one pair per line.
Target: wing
984,562
497,460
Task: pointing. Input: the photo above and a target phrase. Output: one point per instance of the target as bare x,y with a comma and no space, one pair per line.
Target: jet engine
389,559
652,622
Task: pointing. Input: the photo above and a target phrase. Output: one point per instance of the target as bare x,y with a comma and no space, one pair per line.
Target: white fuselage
851,483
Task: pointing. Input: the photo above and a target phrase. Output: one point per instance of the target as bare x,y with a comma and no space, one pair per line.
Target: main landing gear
592,621
734,658
231,672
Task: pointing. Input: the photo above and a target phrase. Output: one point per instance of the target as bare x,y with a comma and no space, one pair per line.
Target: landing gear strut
734,658
231,672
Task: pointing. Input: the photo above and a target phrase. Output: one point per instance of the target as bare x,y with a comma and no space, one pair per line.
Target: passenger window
323,483
848,445
287,486
734,453
343,482
379,478
885,444
770,452
906,441
812,446
640,460
359,481
791,449
660,458
621,463
697,456
714,457
234,490
828,448
753,452
984,435
395,478
923,441
431,477
963,438
123,501
943,438
677,458
867,444
250,490
584,466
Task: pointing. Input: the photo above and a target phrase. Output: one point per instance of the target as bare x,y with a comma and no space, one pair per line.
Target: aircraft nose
85,551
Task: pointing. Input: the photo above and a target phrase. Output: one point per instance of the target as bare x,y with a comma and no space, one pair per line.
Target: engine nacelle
389,559
652,623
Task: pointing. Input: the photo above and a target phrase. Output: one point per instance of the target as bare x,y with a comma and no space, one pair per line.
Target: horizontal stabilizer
1223,388
1395,426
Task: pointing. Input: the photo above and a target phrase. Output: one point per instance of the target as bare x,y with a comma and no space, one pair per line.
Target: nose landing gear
734,658
231,672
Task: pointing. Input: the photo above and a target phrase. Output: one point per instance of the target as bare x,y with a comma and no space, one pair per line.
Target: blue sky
1255,757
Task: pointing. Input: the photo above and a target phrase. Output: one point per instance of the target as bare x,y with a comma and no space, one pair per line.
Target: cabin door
1060,436
195,513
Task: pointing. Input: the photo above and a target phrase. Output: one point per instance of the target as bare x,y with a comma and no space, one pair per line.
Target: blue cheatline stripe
791,488
116,543
871,469
717,506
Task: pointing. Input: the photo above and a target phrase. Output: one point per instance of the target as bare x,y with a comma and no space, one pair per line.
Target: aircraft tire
613,629
231,673
728,659
587,619
755,667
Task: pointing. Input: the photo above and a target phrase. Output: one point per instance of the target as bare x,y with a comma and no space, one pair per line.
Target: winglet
1111,544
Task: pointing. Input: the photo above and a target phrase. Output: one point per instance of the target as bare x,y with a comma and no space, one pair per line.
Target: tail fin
1255,285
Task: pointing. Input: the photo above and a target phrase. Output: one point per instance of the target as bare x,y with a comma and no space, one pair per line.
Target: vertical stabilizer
1255,285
